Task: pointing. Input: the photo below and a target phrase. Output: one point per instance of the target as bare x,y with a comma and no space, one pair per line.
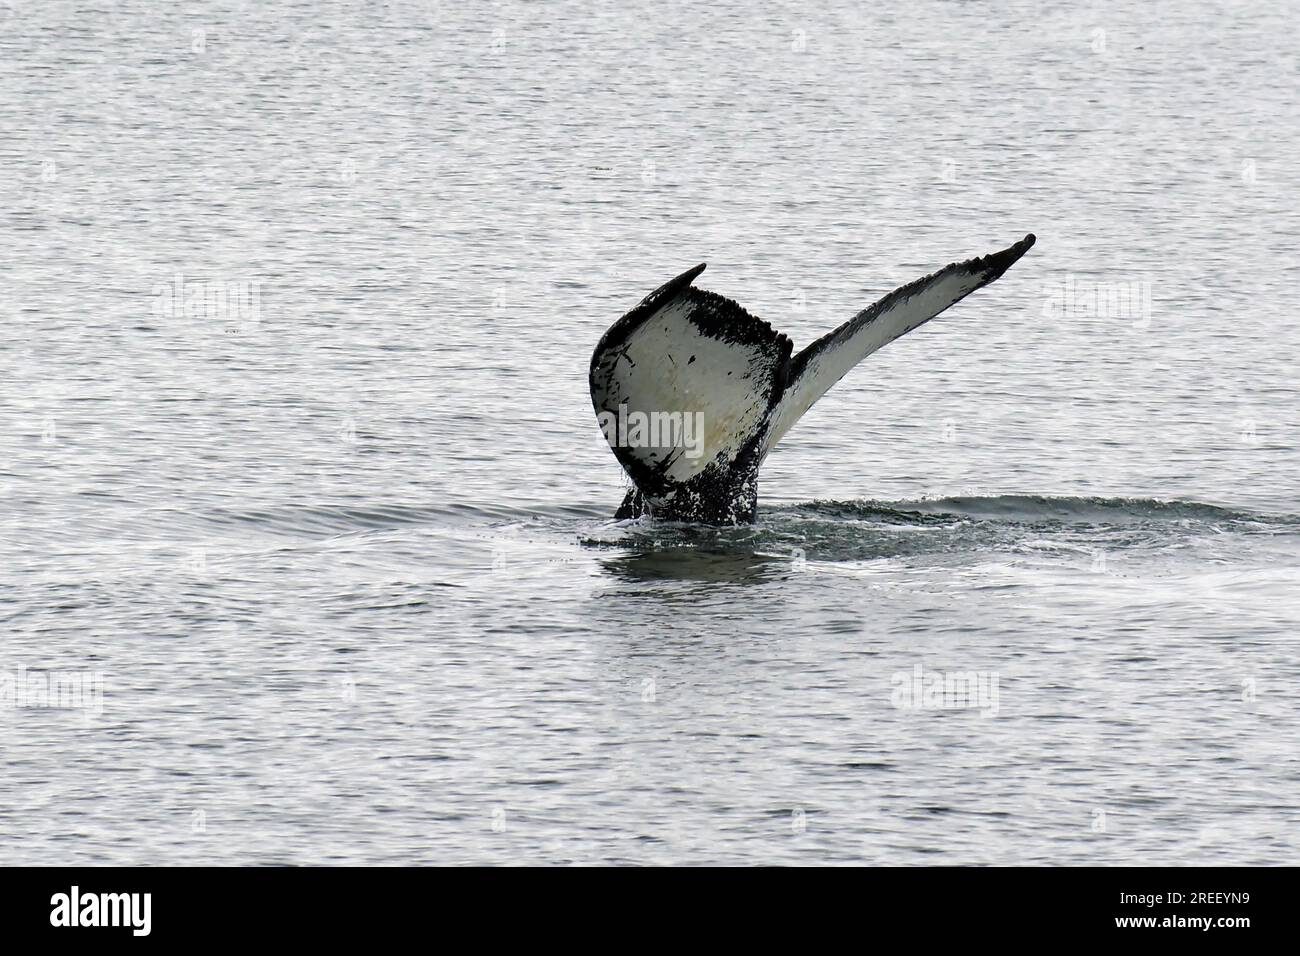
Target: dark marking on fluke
724,489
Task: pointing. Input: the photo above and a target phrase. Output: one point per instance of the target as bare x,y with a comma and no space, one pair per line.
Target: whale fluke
692,391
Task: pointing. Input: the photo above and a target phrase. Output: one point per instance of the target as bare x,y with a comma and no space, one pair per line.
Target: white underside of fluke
671,370
674,365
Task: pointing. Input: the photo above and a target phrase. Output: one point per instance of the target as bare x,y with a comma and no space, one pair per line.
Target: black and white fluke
686,352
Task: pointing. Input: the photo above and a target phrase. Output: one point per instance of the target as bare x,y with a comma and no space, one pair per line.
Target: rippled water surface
340,549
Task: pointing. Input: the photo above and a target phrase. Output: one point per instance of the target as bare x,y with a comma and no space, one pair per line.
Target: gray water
333,560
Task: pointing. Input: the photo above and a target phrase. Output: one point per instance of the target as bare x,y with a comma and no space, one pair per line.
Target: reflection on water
696,564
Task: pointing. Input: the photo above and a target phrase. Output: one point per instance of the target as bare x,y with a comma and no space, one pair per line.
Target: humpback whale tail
692,391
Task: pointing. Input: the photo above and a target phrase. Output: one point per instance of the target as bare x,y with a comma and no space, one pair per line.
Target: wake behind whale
727,386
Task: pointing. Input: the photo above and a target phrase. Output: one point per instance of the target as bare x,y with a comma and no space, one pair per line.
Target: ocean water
306,512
